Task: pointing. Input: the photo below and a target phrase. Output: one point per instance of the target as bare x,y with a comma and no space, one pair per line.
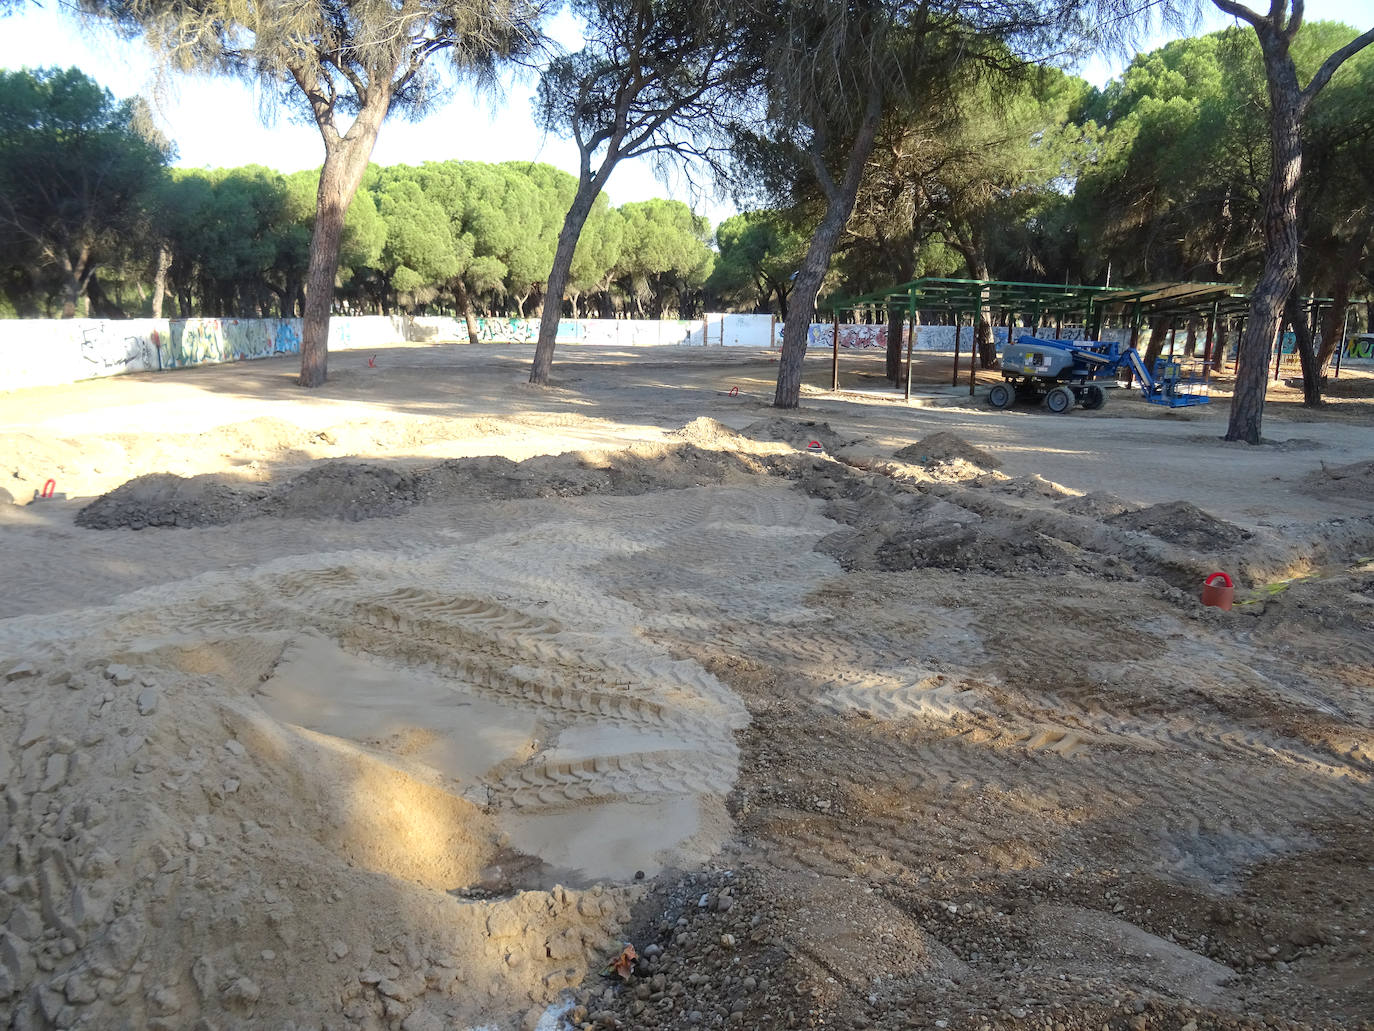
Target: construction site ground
410,701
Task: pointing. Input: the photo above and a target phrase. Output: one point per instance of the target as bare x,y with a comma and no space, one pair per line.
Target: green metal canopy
1046,303
1051,301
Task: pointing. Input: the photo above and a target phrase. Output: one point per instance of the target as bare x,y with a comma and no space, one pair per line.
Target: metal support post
835,359
958,329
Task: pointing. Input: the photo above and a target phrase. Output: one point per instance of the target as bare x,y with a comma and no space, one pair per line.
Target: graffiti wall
1359,348
44,352
602,332
41,352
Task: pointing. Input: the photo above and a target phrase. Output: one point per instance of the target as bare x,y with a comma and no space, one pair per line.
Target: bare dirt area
409,702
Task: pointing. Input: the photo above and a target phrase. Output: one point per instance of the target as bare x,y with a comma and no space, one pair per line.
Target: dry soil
408,702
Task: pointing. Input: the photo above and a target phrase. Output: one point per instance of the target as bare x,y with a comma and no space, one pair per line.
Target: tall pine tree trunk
576,218
896,318
1347,268
1307,358
839,204
464,303
345,161
1280,273
164,265
1159,328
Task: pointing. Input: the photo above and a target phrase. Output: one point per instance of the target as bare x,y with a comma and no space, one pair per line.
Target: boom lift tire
1001,395
1060,400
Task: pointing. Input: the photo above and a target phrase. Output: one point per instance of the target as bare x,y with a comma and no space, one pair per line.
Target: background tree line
1158,176
921,134
94,222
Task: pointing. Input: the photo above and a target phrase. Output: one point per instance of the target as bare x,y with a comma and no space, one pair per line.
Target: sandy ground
407,702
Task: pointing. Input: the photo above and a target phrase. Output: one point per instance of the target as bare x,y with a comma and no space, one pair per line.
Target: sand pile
1183,524
345,784
707,432
1097,505
947,447
352,490
797,432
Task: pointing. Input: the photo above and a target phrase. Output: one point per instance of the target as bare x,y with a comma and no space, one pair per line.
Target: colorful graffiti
855,338
198,341
38,352
493,330
1360,347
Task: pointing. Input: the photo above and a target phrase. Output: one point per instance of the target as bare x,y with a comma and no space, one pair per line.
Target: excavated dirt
947,447
1355,480
1184,524
407,737
799,433
361,490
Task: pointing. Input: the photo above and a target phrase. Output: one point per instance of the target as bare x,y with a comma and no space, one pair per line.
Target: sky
224,123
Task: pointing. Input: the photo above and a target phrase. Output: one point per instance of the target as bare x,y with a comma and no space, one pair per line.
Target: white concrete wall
600,332
44,352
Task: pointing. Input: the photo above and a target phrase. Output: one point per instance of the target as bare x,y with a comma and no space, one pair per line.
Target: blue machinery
1061,373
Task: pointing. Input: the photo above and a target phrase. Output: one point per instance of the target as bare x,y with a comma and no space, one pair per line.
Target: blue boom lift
1061,373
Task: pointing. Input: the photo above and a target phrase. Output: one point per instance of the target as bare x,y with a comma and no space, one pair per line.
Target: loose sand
405,702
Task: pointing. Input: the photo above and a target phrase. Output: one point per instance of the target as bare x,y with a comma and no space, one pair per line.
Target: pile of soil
707,432
1355,480
165,499
344,490
947,447
354,491
1097,505
954,546
1184,524
797,432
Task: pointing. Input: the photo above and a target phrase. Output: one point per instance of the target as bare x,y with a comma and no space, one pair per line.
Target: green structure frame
1040,303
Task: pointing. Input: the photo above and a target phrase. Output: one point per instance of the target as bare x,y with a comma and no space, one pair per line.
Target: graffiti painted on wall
523,331
1360,347
198,341
856,338
37,352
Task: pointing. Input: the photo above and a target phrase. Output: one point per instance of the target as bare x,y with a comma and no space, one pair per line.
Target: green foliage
1175,184
759,255
665,257
76,167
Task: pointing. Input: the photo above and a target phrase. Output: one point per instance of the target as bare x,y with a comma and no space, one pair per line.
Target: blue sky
219,123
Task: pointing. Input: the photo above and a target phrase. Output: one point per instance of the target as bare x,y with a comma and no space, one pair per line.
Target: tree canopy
77,169
353,61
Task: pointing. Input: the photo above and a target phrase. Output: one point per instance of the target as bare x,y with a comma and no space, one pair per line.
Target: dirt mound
797,432
344,490
1355,480
1184,524
164,499
1097,505
707,432
349,490
1032,486
947,447
952,546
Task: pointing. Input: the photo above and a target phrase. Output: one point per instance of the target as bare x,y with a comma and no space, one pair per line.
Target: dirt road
407,702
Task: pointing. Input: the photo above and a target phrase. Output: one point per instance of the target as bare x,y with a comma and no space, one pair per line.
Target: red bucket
1218,595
